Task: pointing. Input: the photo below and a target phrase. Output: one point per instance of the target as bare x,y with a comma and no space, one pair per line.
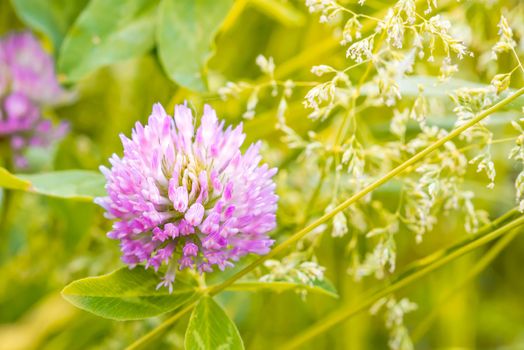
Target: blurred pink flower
27,83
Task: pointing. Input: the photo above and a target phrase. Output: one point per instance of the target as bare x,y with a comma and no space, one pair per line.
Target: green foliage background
46,242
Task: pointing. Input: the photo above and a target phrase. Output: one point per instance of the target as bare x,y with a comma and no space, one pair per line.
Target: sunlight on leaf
10,181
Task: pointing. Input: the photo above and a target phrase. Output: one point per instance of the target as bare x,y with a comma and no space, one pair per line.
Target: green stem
424,326
348,311
326,217
6,197
495,224
313,199
162,327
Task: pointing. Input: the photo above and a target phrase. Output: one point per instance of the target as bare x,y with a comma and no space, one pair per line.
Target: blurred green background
45,243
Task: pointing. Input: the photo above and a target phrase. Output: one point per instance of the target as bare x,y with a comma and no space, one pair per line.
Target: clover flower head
27,83
186,198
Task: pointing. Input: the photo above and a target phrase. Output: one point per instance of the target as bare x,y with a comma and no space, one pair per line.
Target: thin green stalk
233,15
313,199
342,206
486,260
351,114
348,311
6,197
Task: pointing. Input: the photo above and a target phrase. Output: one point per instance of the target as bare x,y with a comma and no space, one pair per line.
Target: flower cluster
188,198
394,312
27,83
293,268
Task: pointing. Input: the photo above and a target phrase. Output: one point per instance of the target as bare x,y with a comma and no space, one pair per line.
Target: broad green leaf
210,328
72,184
127,294
185,33
107,31
8,180
75,184
318,286
51,17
